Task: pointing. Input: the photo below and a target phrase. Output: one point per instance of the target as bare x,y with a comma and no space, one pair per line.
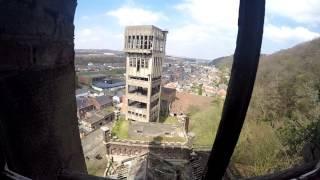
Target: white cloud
285,33
136,16
301,11
199,41
98,38
207,28
213,26
211,29
221,14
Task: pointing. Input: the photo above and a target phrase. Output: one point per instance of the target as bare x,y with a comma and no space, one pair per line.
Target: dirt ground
184,100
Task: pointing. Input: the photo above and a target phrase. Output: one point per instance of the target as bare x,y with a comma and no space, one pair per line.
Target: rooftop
93,118
105,84
144,27
104,99
83,102
149,132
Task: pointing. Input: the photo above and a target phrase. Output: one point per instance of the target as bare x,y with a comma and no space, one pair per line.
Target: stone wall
37,109
166,151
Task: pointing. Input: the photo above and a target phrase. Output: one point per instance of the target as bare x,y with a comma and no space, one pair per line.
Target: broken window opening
138,64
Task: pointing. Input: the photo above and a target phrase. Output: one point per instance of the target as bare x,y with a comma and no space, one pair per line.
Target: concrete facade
145,50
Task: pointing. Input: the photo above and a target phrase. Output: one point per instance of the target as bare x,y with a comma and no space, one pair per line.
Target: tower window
129,42
138,42
134,62
138,64
145,42
133,41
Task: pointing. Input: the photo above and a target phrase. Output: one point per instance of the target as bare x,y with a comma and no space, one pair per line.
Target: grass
204,123
259,150
96,167
168,120
108,110
173,139
120,128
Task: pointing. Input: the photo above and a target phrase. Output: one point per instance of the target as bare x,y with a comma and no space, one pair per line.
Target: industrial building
145,51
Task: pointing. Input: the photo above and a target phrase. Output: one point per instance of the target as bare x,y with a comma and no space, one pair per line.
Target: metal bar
67,175
246,58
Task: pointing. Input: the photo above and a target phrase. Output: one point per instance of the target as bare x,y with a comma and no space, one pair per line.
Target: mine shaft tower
145,52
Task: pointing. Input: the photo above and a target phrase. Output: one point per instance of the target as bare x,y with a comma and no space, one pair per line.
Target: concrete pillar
125,41
149,96
38,122
143,39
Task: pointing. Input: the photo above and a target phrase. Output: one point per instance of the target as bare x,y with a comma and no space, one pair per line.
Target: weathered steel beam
245,64
65,175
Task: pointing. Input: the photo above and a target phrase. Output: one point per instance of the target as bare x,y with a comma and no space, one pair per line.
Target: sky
203,29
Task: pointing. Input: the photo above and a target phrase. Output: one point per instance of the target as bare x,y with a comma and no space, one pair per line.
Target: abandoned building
145,49
147,166
94,121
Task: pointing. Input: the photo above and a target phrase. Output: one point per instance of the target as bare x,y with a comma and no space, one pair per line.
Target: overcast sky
197,28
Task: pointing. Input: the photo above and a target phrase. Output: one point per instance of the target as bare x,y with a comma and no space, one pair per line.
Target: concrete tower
145,50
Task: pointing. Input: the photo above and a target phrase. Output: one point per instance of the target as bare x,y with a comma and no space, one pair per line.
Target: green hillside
284,113
222,62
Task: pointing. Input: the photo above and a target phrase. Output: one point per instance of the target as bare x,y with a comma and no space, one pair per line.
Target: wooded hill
283,119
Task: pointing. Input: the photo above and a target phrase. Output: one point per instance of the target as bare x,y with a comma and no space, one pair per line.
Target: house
95,120
101,102
209,90
84,105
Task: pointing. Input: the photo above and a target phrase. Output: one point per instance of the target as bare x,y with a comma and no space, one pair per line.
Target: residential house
101,102
95,120
84,105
